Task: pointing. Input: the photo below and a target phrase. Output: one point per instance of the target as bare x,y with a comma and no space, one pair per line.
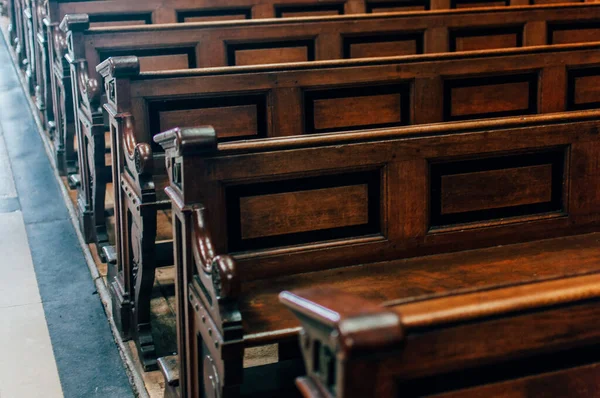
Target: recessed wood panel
108,24
228,121
478,4
356,108
492,96
164,62
291,212
555,1
387,45
106,20
214,15
496,187
397,6
156,59
270,52
309,10
232,117
573,33
471,40
492,189
271,55
583,88
297,211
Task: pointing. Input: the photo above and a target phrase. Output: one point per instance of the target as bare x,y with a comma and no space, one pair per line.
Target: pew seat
419,278
527,339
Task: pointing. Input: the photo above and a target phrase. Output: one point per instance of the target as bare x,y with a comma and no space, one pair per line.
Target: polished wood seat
351,210
526,339
421,278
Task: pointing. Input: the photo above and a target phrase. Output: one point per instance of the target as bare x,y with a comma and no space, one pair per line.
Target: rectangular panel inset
492,96
492,189
164,62
533,2
356,108
156,59
291,212
478,3
496,187
583,91
228,121
105,20
385,45
270,52
242,116
576,32
486,39
397,6
214,15
309,10
298,211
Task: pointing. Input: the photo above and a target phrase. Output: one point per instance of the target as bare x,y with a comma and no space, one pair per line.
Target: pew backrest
244,103
299,204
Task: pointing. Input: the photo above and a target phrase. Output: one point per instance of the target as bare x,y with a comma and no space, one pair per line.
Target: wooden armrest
360,323
335,326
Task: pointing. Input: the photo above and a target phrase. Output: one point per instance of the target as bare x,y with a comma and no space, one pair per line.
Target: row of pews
409,188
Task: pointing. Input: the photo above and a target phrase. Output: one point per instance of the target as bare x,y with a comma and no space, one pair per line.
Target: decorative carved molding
119,67
60,43
188,140
88,87
143,159
221,269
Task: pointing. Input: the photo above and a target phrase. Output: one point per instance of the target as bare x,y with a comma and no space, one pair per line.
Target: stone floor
54,335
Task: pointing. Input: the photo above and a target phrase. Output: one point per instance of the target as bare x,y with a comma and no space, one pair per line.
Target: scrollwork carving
143,159
60,43
88,87
211,378
222,269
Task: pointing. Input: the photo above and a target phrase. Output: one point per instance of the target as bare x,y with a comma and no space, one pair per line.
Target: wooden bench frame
52,76
358,348
139,174
428,32
220,280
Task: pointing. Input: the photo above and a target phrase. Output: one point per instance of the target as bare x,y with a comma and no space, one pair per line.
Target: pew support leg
142,266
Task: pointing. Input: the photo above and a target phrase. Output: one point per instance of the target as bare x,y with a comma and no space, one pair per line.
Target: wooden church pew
50,74
305,98
228,44
531,339
34,23
347,211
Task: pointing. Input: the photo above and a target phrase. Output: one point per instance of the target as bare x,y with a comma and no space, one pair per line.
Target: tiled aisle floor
55,339
28,367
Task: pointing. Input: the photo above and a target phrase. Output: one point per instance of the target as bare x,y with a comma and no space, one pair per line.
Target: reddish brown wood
245,198
497,336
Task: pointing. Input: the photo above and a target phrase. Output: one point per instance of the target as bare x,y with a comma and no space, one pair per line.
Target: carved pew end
169,367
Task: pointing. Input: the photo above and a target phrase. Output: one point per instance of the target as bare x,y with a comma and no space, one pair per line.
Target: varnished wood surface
425,277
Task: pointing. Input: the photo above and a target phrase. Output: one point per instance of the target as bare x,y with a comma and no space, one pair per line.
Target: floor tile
18,283
27,368
8,205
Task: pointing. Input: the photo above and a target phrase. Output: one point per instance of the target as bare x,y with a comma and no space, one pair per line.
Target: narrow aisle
28,367
54,335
